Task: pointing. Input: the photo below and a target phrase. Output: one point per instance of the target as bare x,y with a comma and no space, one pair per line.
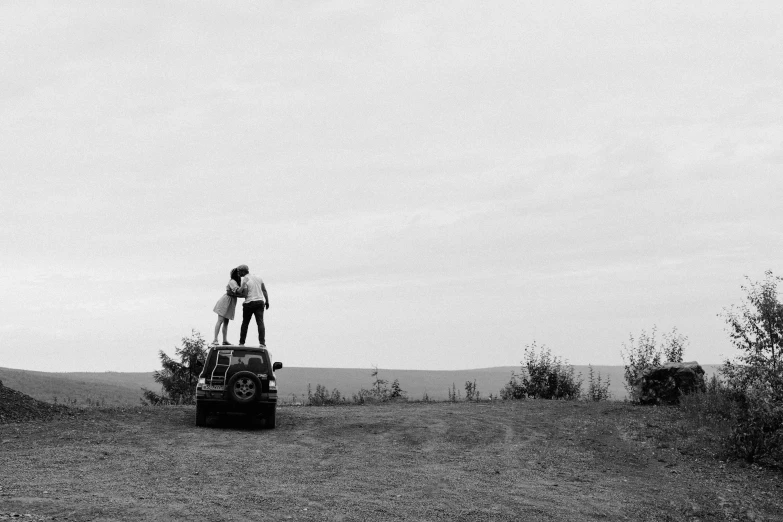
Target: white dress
227,304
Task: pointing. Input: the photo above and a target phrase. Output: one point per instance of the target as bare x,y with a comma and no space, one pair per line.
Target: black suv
237,379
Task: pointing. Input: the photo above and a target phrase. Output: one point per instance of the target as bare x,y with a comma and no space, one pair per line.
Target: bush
644,352
543,376
471,391
322,397
755,378
597,388
757,435
396,391
715,402
514,389
453,393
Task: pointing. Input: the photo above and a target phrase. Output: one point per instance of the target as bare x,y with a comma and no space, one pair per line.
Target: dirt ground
521,460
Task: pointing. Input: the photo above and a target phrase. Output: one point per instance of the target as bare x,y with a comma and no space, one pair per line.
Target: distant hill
82,388
115,389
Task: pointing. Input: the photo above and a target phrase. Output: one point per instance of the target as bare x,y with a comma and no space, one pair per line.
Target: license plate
208,387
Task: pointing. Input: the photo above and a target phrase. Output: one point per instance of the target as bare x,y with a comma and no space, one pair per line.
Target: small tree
755,378
178,377
471,391
379,386
597,388
756,329
468,391
453,393
396,391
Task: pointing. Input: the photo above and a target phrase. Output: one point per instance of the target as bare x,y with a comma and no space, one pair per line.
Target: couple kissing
251,288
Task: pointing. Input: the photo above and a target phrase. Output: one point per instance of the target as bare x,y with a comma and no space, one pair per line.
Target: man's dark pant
248,310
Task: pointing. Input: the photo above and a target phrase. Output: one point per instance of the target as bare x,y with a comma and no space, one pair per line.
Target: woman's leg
217,329
225,329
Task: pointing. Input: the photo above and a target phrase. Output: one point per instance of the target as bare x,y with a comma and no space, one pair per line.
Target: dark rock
665,384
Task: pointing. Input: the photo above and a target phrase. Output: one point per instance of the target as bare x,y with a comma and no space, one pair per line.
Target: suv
238,379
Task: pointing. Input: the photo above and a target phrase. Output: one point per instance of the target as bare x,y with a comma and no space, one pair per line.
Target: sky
421,185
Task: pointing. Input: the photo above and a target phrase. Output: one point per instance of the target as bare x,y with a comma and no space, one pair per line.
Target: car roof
237,347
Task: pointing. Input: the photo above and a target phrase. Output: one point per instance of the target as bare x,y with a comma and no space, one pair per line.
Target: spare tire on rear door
244,387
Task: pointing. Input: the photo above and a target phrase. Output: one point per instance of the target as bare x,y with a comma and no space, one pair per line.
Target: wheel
201,415
244,387
269,419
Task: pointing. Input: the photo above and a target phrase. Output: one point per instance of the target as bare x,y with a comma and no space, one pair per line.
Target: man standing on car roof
256,301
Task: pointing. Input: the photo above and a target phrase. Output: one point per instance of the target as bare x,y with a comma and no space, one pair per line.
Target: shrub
543,376
361,396
514,389
396,391
471,391
454,393
548,377
755,378
715,402
643,353
322,397
379,388
597,388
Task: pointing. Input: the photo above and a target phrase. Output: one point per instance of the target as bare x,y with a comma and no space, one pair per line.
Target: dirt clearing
521,460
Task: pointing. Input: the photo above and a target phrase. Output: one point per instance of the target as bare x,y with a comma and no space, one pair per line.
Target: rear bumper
264,402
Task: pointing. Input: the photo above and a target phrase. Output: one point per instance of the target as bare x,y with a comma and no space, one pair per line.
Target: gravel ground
522,460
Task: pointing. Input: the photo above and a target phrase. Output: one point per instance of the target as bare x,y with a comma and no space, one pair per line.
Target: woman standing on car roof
226,305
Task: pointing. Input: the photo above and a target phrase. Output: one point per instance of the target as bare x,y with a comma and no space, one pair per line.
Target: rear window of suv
251,361
232,361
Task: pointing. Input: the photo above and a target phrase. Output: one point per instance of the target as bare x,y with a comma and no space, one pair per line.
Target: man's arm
266,296
241,290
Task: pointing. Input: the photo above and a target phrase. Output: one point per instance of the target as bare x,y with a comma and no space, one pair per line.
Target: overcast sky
421,185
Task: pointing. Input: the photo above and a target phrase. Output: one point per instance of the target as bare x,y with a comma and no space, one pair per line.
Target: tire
244,387
270,418
201,415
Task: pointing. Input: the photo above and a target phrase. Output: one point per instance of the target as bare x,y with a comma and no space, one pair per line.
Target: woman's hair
235,276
